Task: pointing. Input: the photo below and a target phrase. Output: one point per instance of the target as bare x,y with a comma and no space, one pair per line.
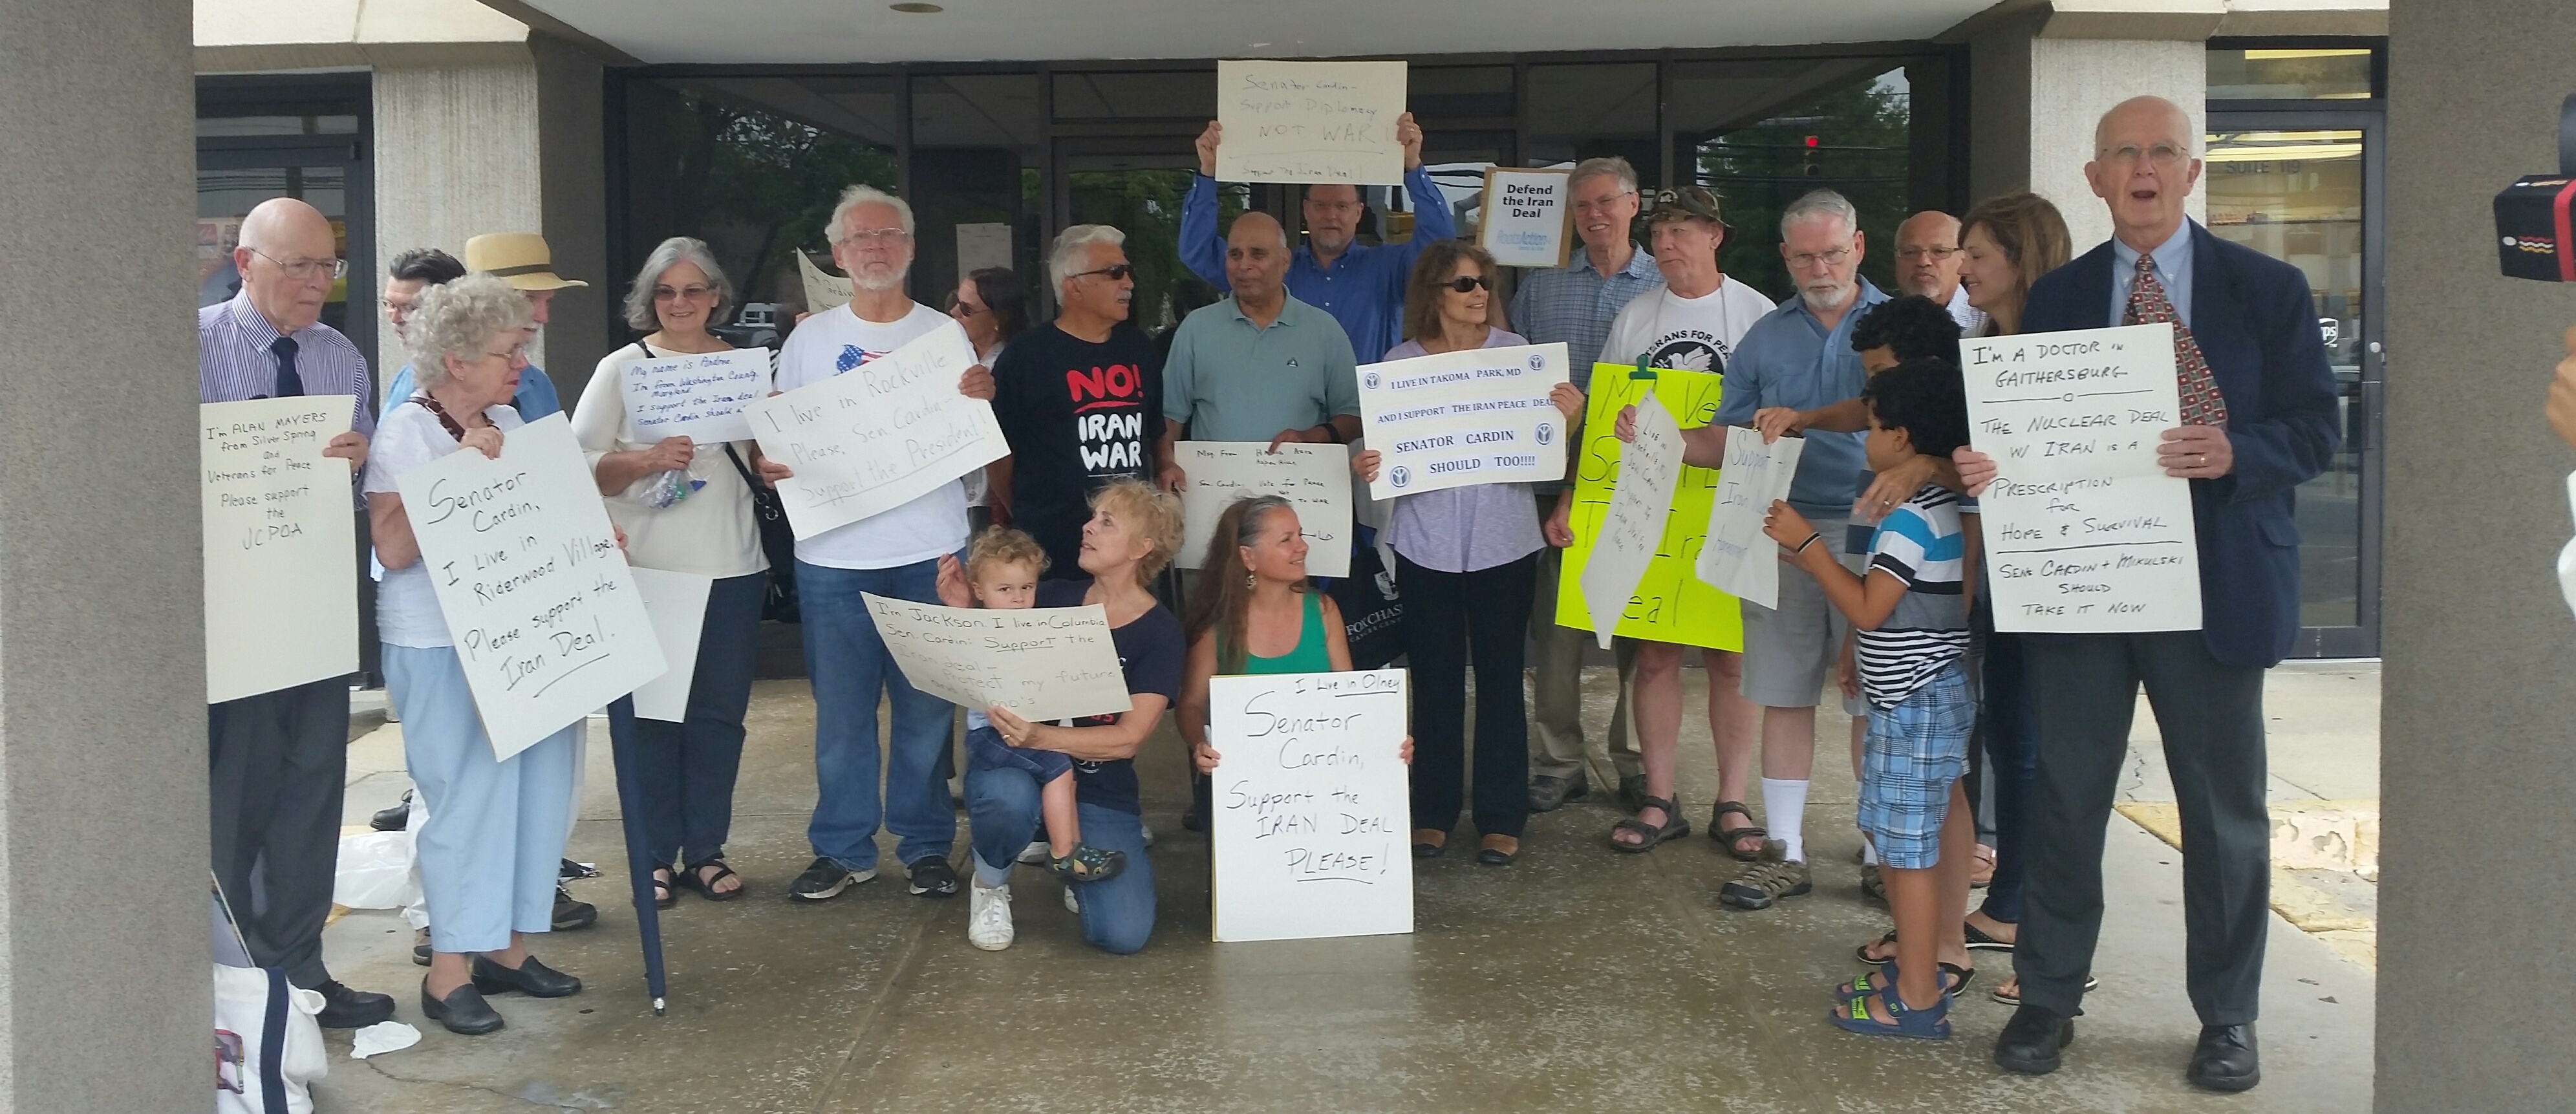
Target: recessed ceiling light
911,8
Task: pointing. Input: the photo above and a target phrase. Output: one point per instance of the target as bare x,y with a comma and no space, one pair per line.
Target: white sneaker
1072,904
1036,853
988,919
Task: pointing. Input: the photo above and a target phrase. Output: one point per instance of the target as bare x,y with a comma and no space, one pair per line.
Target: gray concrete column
572,134
104,971
2478,707
2033,102
457,154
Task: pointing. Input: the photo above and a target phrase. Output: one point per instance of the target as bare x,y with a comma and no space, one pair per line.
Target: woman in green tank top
1254,612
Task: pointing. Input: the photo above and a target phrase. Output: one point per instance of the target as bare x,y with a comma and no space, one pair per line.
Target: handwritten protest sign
1042,663
2083,530
699,396
1671,603
1525,218
1737,559
1316,479
1640,503
878,435
1311,806
1310,122
546,618
823,289
1476,416
677,603
281,544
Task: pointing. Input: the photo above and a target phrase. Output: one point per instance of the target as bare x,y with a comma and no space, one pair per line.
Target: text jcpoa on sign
281,545
545,615
878,435
1310,806
1476,416
2084,532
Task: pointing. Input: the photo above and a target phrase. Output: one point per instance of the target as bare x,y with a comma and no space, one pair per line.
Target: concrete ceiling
836,31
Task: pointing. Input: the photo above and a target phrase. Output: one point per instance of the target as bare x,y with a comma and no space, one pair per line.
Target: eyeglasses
880,237
2162,155
1117,272
961,310
303,269
1465,283
1807,260
514,355
694,292
1913,254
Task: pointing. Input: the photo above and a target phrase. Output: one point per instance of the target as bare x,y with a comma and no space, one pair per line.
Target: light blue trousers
495,835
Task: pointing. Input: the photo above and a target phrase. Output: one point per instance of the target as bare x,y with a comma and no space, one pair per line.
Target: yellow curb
2348,934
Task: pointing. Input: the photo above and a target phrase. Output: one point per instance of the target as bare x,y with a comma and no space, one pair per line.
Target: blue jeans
851,668
687,769
1118,914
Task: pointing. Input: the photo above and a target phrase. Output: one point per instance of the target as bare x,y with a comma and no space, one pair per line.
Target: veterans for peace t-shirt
831,343
407,437
1150,650
1685,334
1077,415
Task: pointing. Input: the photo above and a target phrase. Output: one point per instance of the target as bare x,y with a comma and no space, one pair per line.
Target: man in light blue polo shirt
1261,365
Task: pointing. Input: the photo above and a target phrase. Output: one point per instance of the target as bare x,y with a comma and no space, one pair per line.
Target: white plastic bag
268,1047
375,871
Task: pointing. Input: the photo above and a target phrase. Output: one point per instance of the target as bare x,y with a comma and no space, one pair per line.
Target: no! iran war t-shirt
1077,415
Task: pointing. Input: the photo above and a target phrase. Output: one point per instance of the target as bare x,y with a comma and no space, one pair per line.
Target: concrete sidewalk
1578,979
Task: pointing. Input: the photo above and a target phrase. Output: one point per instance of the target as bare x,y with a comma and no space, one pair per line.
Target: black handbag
1372,611
777,540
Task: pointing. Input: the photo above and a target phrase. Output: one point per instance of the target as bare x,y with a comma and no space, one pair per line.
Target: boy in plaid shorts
1912,618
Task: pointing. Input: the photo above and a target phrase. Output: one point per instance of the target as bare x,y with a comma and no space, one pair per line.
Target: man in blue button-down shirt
1361,286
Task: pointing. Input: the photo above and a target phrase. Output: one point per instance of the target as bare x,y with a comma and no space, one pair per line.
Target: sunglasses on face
1465,283
1116,271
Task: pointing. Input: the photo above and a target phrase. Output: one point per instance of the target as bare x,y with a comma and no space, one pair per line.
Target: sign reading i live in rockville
1310,835
1525,218
1310,122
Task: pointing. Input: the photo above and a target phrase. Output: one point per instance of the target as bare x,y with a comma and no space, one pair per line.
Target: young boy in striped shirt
1912,622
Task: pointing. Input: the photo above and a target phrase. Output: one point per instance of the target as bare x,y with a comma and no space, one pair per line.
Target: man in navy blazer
2253,320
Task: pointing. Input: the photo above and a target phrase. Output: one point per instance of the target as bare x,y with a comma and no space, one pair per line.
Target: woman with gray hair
495,830
709,529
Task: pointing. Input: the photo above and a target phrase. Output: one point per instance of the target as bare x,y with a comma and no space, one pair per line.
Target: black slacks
2084,688
1448,615
279,761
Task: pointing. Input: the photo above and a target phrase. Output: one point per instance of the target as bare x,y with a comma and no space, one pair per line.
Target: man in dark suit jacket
2253,321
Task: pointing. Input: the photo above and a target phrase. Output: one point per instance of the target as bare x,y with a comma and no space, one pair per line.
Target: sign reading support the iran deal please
1476,416
1311,806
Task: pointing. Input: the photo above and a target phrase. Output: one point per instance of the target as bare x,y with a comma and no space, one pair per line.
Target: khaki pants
1556,710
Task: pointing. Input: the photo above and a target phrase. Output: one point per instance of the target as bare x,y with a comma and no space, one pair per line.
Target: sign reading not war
1310,122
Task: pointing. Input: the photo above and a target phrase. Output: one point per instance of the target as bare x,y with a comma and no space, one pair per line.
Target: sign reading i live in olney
1311,813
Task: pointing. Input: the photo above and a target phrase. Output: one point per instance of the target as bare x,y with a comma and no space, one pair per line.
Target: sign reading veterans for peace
1042,663
1311,806
1310,122
1315,479
878,435
1670,603
281,544
1738,558
547,620
2084,532
1526,219
700,395
1477,416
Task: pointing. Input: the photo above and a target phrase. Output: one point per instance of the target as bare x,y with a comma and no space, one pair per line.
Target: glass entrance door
2303,187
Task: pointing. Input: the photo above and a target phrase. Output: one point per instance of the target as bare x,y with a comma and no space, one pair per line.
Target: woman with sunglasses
993,305
1466,559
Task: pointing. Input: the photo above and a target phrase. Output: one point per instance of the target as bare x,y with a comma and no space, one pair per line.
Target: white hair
1071,249
1820,203
858,195
674,251
457,319
1613,165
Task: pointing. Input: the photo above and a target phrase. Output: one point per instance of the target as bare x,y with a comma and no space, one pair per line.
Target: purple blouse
1464,529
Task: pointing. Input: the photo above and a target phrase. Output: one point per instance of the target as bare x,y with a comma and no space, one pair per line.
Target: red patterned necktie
2201,402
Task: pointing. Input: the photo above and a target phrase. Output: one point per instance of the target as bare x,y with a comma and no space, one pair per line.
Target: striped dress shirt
235,362
1575,304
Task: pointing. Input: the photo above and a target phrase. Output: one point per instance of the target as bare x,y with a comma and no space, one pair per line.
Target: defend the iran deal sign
1477,416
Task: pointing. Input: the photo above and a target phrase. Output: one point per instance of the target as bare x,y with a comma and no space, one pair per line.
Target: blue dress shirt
2173,269
1363,289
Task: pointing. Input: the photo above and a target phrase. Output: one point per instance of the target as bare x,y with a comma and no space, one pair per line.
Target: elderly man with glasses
1927,263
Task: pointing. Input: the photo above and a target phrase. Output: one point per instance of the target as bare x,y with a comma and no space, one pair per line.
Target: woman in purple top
1452,547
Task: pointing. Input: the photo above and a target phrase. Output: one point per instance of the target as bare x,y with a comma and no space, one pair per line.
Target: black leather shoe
464,1012
2225,1059
2032,1039
395,818
1548,793
343,1008
534,979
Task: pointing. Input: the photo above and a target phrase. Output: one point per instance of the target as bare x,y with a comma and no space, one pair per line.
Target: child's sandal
1931,1023
1954,980
1088,864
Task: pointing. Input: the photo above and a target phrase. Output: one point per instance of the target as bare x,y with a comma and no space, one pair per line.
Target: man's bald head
1260,226
280,238
2157,114
2143,169
1256,258
1927,255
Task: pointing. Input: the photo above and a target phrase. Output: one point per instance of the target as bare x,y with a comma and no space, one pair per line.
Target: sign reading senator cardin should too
1478,416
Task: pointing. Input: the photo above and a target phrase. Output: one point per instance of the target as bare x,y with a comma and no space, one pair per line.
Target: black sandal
1674,827
663,898
706,887
1728,838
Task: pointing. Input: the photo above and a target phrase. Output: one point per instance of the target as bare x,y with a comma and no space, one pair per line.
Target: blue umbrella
623,741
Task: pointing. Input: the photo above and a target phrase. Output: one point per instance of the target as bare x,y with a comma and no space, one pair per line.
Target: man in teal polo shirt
1261,365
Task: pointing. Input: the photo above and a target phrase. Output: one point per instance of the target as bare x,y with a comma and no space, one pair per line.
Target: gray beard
876,285
1842,298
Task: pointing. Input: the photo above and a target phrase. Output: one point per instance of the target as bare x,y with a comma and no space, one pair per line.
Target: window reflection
1763,133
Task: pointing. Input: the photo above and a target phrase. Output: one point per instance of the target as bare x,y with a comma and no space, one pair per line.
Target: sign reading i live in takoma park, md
1311,820
1475,416
2084,531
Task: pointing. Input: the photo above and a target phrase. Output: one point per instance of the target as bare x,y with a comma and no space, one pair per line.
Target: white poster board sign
1042,663
677,603
1477,416
982,245
1525,218
2083,531
699,396
1634,525
878,435
544,611
823,289
1737,558
1315,479
281,544
1312,807
1310,122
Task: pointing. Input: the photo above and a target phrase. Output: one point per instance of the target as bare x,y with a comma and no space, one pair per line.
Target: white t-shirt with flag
1685,334
828,344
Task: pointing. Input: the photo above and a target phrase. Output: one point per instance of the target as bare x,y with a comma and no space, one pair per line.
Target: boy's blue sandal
1089,864
1954,981
1932,1023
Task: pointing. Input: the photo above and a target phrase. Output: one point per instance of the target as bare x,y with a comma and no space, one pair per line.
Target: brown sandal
1674,827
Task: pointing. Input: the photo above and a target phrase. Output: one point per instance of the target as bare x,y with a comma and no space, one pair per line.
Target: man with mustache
1927,263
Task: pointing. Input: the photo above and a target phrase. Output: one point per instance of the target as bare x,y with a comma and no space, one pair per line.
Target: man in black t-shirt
1079,399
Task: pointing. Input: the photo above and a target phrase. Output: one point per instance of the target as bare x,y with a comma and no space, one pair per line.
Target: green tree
774,176
1860,136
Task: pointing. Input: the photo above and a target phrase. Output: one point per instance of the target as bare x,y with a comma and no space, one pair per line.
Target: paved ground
1579,979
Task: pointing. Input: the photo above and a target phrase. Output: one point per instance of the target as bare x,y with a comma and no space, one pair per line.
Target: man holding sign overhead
2258,419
